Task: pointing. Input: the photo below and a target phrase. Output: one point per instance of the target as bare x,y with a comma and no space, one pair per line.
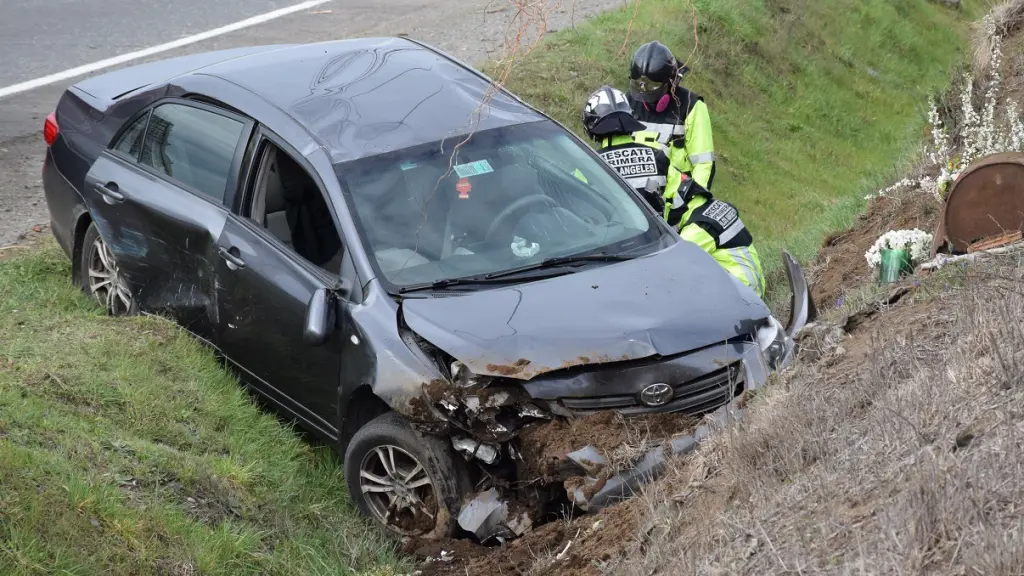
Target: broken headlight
775,344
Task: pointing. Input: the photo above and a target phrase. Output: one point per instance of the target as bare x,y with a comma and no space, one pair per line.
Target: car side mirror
319,318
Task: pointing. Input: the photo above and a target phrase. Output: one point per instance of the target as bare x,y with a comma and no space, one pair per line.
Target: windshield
507,198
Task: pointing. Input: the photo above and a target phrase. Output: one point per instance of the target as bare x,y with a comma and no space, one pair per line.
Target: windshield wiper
561,261
498,277
449,282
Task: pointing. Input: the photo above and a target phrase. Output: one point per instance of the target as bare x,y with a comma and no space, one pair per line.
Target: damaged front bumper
488,515
598,492
588,485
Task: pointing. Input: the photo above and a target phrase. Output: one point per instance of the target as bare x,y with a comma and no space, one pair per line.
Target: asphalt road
39,38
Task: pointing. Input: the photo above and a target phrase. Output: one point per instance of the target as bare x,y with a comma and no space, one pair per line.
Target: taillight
50,129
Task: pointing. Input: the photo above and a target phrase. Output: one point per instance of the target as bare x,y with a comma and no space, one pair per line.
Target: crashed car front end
488,414
525,396
493,419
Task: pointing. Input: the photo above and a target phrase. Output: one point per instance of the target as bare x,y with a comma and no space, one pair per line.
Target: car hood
666,303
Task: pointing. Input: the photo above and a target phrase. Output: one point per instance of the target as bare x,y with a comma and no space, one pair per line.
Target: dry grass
904,461
1008,16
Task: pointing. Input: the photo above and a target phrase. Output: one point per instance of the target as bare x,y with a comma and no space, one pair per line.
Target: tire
97,261
390,434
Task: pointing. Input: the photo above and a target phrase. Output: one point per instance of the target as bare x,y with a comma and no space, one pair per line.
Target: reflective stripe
753,269
743,259
640,182
666,131
730,232
702,158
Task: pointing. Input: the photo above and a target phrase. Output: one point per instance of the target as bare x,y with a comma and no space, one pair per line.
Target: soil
544,445
30,238
841,266
417,521
1013,70
594,539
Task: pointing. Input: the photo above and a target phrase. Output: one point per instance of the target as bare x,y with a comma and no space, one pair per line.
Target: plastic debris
523,250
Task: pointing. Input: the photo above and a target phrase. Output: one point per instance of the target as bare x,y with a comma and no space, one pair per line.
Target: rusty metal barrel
986,201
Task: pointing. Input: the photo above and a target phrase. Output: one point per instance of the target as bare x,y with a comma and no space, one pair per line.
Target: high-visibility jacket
684,126
715,226
636,161
639,163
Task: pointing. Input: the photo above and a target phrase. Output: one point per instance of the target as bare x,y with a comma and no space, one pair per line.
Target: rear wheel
100,277
409,483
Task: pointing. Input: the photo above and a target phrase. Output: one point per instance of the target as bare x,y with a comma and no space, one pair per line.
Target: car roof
366,96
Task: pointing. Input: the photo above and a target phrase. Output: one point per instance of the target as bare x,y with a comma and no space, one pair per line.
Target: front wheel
409,483
100,277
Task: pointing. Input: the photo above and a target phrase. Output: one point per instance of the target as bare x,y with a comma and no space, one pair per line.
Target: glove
655,200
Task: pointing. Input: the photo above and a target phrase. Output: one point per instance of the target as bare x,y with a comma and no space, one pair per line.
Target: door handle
234,261
109,190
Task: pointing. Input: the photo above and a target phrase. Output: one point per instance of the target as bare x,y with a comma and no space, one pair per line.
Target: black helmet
608,112
653,72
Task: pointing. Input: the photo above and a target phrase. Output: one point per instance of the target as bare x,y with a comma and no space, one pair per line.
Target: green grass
813,103
126,449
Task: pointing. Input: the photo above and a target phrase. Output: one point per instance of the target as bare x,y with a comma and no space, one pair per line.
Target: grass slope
126,449
813,103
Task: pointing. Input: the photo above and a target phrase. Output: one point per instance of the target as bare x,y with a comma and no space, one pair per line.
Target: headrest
274,198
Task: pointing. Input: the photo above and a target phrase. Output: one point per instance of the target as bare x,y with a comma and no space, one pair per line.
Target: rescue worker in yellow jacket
712,224
608,120
671,114
715,226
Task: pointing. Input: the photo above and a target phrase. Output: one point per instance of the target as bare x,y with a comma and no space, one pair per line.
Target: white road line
99,65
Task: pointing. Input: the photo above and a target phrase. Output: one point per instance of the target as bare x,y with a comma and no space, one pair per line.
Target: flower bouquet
896,252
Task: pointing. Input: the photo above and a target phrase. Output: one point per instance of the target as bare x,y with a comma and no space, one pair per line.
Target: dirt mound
577,547
840,265
567,545
619,440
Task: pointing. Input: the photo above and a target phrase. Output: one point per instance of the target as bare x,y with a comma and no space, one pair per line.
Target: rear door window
193,146
131,140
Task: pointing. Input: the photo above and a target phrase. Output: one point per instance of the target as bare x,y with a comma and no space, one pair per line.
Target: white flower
905,183
917,241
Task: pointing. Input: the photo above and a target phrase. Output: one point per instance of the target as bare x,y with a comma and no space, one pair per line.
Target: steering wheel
516,207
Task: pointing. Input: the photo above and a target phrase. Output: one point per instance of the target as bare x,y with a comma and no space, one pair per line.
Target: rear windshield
506,198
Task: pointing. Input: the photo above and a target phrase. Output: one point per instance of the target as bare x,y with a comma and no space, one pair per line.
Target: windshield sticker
463,187
473,168
407,165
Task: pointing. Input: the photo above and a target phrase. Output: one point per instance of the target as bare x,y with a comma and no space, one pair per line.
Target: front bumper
693,383
599,492
715,380
488,516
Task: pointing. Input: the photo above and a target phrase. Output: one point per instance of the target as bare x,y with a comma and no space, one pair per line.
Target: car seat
275,219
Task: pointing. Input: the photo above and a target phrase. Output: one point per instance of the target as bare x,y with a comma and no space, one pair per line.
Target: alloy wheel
398,490
105,283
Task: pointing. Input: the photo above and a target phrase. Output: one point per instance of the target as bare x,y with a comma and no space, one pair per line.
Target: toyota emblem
656,394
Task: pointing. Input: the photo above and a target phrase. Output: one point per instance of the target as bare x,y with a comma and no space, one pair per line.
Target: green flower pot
895,264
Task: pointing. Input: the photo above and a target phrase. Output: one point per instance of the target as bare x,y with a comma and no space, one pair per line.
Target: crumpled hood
676,300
